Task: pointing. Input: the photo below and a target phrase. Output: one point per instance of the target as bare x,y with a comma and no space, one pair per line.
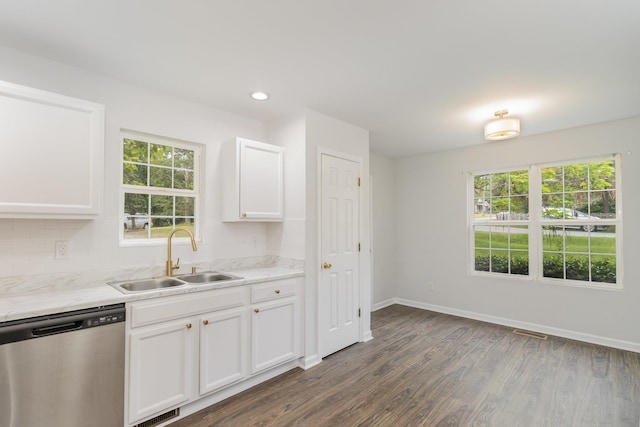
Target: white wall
27,246
323,132
287,238
384,228
431,195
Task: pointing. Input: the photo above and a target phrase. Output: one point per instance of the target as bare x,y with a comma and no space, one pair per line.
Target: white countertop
42,303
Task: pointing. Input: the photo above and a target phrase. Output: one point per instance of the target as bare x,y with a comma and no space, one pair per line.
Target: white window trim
535,222
123,188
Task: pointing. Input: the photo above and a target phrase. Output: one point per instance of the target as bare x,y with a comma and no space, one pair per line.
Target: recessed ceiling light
259,96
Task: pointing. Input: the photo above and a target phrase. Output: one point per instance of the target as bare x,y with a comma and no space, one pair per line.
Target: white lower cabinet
160,368
275,329
184,347
273,334
223,349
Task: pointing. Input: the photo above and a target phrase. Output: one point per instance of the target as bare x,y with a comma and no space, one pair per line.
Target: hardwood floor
430,369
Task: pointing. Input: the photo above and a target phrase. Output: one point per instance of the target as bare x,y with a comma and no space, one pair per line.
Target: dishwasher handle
70,321
56,329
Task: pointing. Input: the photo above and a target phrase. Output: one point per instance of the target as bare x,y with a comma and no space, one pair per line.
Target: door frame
323,151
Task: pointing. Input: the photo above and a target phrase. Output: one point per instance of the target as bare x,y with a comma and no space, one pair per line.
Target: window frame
536,222
198,152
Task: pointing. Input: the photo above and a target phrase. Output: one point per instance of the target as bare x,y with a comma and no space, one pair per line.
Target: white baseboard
383,304
367,336
564,333
310,362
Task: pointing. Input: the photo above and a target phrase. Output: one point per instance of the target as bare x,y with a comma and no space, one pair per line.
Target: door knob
326,265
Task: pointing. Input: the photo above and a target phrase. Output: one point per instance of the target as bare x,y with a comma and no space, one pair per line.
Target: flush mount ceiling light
259,96
501,128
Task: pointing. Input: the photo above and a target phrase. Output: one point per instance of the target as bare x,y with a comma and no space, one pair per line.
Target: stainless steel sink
208,277
148,284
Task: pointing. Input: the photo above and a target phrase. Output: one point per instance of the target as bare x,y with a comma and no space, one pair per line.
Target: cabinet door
160,367
261,180
223,348
53,154
273,334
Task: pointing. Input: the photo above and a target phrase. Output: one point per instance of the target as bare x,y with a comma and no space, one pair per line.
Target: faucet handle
178,263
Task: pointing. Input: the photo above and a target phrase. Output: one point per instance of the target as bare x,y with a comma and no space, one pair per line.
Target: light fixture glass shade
502,128
259,96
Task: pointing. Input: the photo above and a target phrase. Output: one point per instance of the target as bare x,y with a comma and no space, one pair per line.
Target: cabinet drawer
175,307
273,290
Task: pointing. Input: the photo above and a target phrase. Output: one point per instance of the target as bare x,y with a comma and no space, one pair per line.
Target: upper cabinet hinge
359,183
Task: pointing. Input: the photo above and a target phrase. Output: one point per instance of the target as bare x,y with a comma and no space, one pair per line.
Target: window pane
553,265
134,151
519,263
162,205
183,179
603,204
500,184
160,154
553,238
577,267
602,175
183,158
499,204
519,183
136,203
160,177
576,177
133,174
519,205
185,223
482,260
500,261
519,238
185,206
552,180
603,269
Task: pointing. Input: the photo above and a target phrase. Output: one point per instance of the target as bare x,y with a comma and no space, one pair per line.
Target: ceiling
420,75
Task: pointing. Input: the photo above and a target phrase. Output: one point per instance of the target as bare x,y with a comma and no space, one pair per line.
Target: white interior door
340,282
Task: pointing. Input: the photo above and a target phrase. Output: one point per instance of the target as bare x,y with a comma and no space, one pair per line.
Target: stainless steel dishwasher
63,370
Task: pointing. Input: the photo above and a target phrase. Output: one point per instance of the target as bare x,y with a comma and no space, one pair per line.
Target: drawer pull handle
244,214
188,325
205,322
277,291
256,310
326,265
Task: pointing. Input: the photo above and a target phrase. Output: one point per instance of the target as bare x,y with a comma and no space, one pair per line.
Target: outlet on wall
429,286
62,249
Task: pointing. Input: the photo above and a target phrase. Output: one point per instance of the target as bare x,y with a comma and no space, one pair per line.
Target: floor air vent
530,334
160,418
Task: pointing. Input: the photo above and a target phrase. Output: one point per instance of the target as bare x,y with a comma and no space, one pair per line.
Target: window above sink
160,188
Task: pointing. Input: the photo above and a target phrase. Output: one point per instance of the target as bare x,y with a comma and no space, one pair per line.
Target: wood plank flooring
430,369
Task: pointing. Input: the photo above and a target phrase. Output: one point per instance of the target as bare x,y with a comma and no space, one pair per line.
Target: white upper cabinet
53,154
253,183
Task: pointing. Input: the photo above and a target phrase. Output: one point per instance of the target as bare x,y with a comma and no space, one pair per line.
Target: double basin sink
159,283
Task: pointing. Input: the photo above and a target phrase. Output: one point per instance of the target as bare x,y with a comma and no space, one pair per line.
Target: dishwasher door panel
71,379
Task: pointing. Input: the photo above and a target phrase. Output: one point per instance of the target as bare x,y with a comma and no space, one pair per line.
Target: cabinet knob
326,265
256,310
189,325
244,214
277,291
205,322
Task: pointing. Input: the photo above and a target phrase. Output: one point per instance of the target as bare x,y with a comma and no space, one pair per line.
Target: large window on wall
160,187
556,222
